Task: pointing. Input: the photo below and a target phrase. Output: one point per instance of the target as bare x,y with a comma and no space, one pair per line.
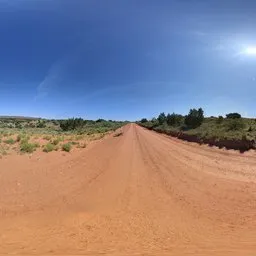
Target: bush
41,124
235,124
47,137
219,120
66,147
250,129
48,147
9,141
233,115
56,141
27,147
18,138
18,125
174,119
100,120
72,124
195,118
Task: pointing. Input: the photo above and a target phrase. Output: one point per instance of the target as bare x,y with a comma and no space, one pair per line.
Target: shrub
219,120
79,137
194,118
100,120
74,143
56,141
47,137
41,124
18,125
235,124
9,141
250,129
233,115
27,147
18,139
66,147
71,124
48,147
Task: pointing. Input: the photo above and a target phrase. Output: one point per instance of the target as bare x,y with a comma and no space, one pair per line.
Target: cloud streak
54,76
50,81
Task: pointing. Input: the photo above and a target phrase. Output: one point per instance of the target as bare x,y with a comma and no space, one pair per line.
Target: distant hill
20,117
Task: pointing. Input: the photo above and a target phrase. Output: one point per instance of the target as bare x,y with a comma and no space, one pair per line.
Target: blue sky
126,59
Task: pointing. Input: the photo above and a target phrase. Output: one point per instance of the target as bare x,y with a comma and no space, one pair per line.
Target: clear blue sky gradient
126,59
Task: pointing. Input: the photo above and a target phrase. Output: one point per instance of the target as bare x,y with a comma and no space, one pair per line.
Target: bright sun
250,50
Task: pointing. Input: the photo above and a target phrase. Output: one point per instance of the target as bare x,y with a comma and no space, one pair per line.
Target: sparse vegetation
56,141
235,124
47,137
66,147
27,147
196,127
9,141
26,134
48,147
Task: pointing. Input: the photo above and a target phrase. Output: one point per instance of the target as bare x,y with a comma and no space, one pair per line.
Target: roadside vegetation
231,131
27,135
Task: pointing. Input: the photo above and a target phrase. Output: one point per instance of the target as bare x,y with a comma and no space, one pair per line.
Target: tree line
192,120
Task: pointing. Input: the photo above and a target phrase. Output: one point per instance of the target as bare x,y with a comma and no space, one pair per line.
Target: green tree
194,118
174,119
233,115
161,118
144,120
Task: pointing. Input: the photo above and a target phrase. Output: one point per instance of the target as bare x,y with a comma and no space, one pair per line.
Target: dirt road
137,194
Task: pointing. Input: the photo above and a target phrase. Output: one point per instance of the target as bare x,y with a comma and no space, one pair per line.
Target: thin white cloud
50,81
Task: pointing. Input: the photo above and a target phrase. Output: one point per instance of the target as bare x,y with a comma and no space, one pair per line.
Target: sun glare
250,50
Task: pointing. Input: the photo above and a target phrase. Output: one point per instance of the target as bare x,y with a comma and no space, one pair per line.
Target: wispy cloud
53,77
48,82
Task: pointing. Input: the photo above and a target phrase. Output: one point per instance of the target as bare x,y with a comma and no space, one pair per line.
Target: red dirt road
137,194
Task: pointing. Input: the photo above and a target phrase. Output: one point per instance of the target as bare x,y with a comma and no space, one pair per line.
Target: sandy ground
137,194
